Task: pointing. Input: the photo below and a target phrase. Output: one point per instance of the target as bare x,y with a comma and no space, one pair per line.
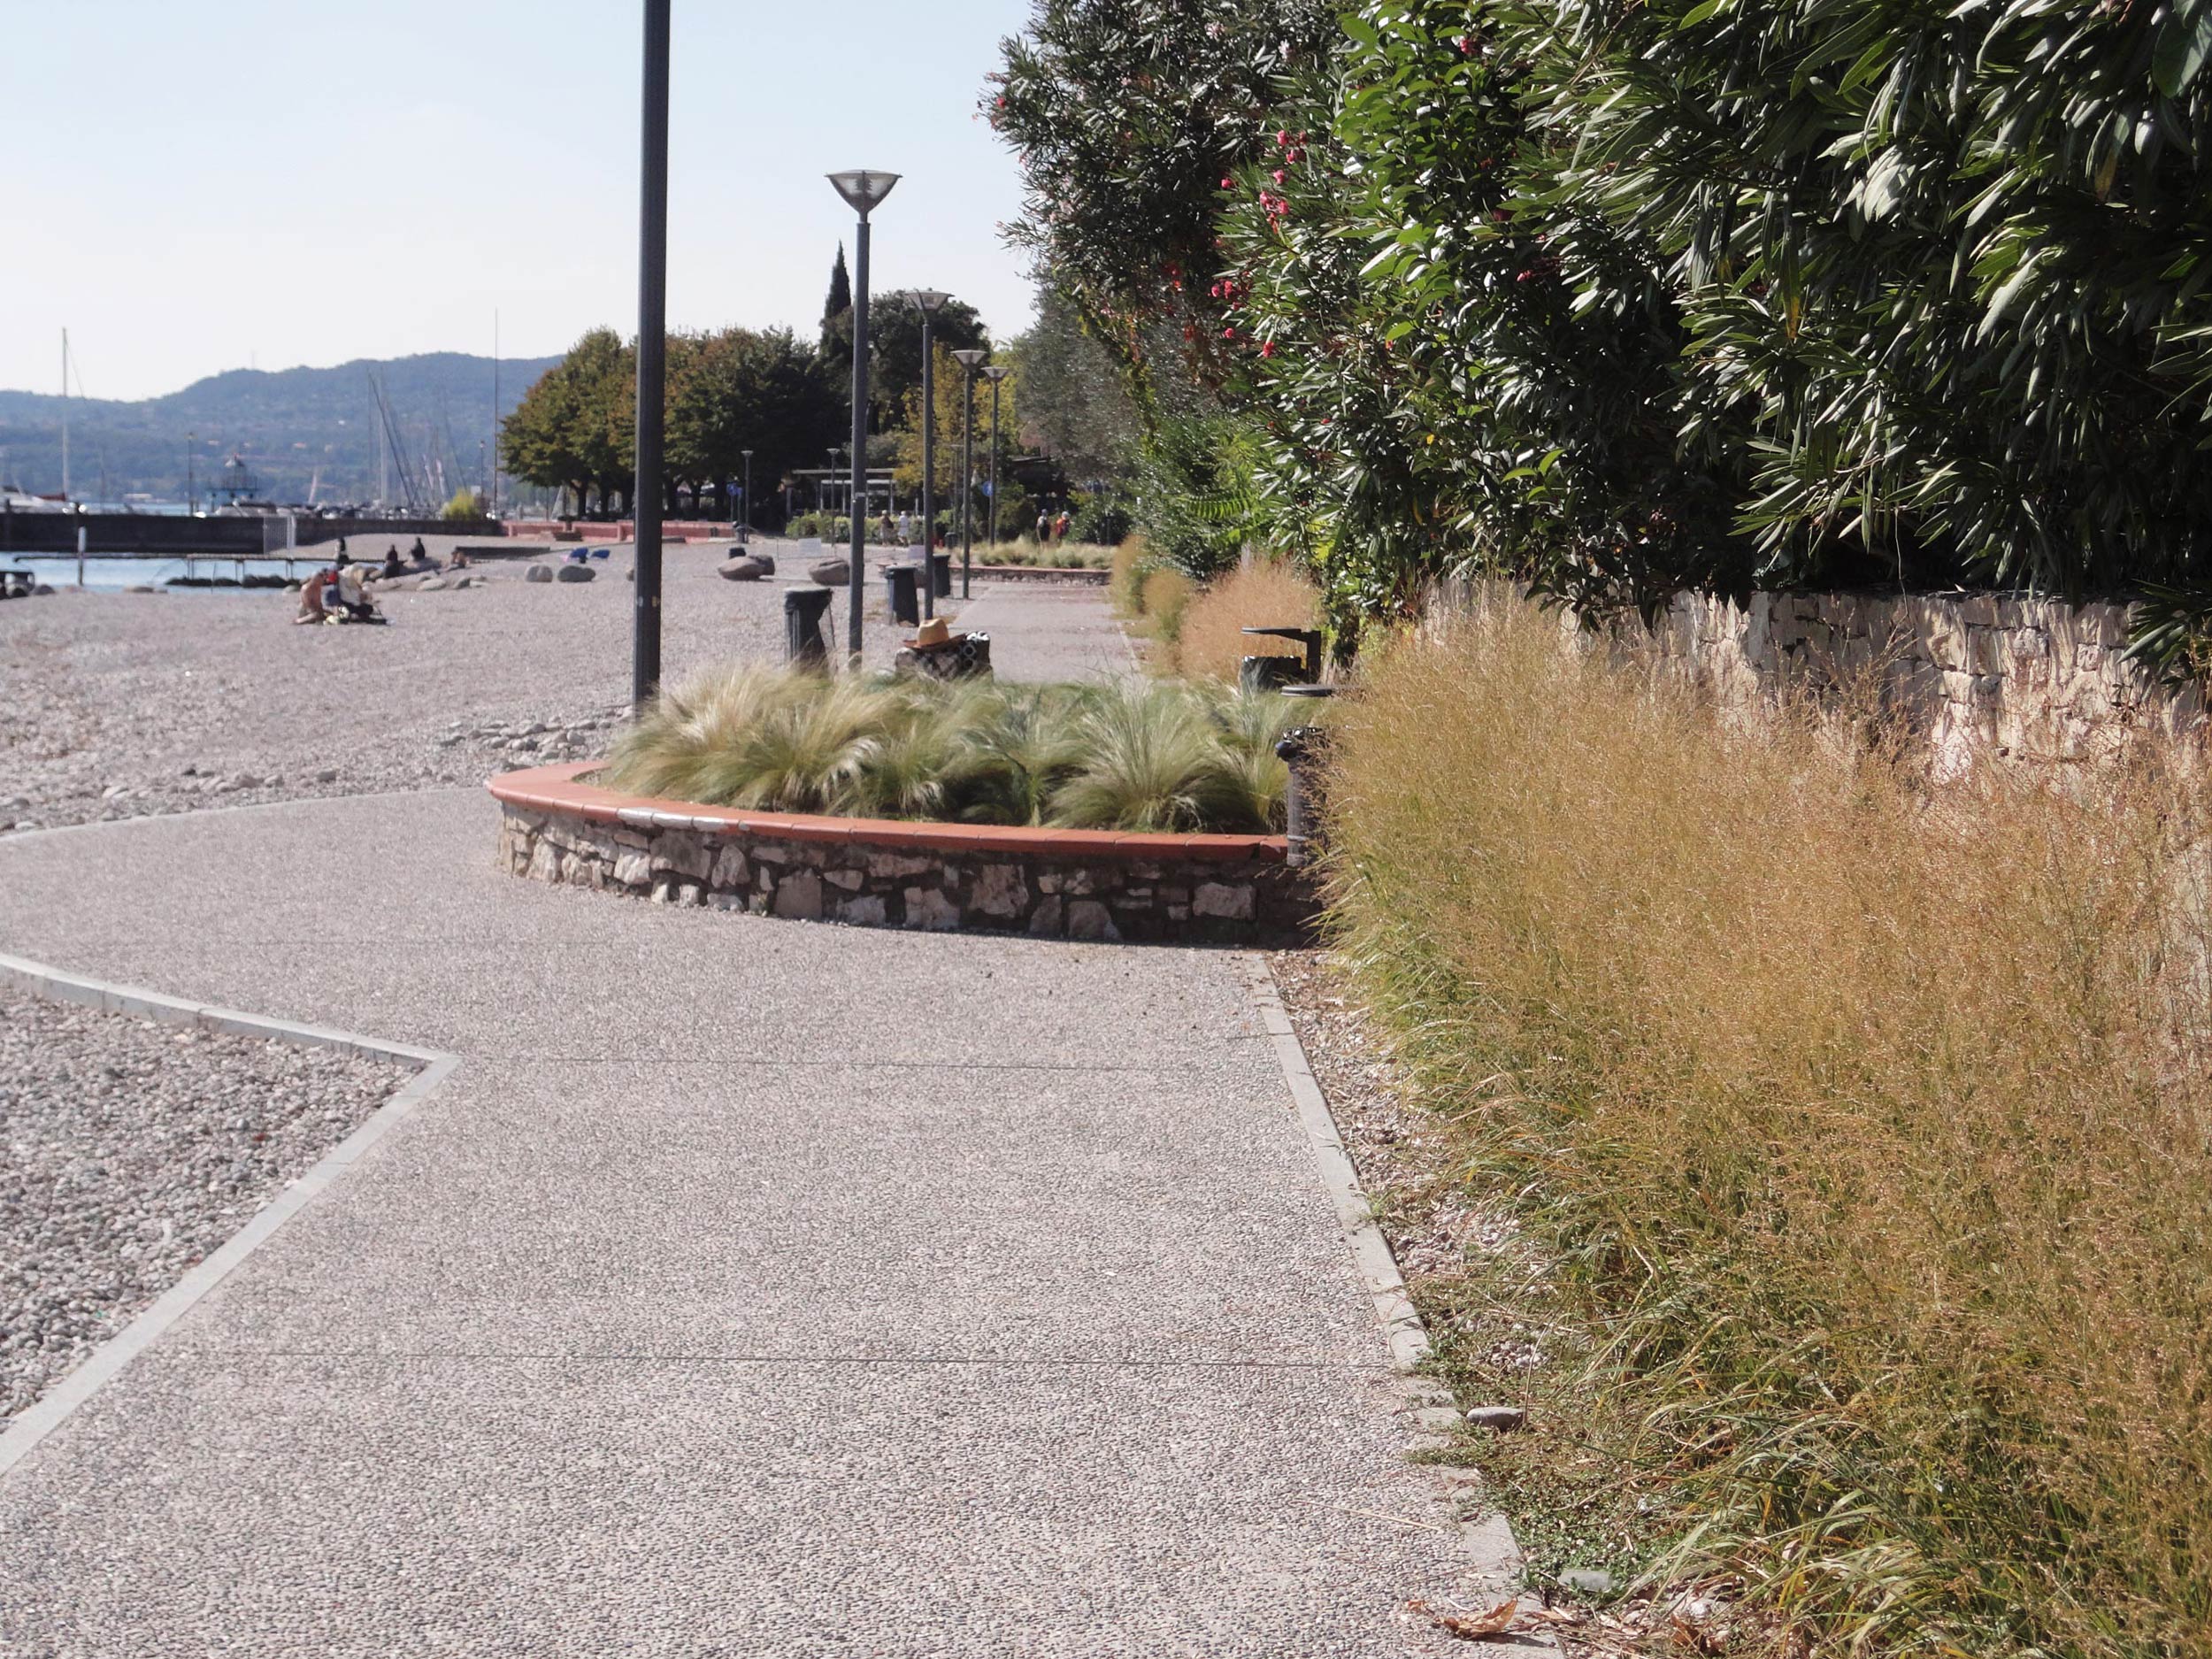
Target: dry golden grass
1132,562
1869,1124
1164,594
1261,595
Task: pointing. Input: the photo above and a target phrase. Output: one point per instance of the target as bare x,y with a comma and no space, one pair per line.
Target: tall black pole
747,501
967,486
929,478
652,345
856,506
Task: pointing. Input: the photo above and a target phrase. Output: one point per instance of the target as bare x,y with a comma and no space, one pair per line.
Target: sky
192,189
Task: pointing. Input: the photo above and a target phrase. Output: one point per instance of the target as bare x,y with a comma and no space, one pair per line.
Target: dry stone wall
2011,677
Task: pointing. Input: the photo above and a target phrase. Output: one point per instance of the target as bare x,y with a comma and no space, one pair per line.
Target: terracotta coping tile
554,789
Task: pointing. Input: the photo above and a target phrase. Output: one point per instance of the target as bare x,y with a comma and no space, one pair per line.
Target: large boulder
742,569
574,574
538,573
831,573
430,584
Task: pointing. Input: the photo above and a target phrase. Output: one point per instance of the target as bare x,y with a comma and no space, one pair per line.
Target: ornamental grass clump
1159,757
1865,1122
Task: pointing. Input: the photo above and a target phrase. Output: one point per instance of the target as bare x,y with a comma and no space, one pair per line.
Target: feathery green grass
1141,758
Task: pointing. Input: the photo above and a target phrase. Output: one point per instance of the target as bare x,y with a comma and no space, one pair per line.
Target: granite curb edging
78,1385
881,872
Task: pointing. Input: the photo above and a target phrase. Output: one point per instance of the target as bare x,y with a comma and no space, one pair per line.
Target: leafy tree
1077,402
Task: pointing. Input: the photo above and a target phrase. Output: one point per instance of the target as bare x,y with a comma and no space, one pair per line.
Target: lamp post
191,484
970,359
995,373
652,349
863,191
745,536
929,302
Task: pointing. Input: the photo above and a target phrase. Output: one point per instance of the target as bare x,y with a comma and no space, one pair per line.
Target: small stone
1044,921
927,907
537,573
864,911
326,774
741,569
799,898
999,890
574,574
430,585
1587,1581
1087,919
1215,898
831,573
1499,1417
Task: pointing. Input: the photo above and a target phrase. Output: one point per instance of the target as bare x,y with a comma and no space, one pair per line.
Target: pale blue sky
190,188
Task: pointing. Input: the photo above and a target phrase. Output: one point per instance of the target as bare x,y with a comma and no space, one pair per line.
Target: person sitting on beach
311,608
459,561
419,554
392,569
353,596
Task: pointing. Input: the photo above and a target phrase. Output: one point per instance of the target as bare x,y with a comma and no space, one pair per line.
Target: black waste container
941,574
803,608
1302,749
898,582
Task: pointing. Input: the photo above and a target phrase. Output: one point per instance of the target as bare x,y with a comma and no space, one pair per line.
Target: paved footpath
749,1289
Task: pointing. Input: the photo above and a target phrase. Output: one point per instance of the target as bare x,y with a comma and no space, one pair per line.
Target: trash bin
941,577
1302,669
803,608
1302,749
898,581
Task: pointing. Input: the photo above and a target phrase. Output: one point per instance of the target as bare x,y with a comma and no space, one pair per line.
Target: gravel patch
1445,1233
131,1150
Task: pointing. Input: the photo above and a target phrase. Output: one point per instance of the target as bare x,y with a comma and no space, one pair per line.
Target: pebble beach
124,704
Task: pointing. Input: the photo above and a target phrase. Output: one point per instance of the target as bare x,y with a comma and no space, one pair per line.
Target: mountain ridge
298,430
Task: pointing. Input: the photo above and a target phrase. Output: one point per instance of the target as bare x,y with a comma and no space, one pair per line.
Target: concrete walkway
752,1287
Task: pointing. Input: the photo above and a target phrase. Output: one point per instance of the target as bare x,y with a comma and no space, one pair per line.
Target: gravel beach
130,1150
118,706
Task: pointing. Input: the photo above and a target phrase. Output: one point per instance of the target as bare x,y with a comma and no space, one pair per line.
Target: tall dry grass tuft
1869,1126
1263,593
1164,595
1133,561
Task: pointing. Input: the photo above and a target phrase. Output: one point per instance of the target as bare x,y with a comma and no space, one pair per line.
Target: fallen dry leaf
1470,1626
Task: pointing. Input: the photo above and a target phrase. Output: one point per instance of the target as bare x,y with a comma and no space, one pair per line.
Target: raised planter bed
882,872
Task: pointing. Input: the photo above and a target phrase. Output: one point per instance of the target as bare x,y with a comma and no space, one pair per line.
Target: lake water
110,574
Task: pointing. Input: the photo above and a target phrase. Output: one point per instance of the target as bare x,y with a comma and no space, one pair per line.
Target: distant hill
296,429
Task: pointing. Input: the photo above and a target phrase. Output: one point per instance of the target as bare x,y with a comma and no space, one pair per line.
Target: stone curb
1494,1555
105,1361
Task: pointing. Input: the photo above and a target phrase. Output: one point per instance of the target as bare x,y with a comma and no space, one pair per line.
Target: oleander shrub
1146,757
1864,1121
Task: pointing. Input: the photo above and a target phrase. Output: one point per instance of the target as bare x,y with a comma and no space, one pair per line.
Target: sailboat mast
495,476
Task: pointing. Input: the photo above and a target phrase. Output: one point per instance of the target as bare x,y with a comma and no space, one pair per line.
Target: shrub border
1093,884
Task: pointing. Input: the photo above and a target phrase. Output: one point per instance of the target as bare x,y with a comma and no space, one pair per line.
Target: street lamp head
971,357
863,188
929,302
748,454
996,372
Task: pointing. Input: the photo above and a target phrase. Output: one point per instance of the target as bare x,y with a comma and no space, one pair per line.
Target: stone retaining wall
2019,678
1075,884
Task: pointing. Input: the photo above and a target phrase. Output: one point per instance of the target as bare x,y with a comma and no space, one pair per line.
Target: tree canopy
1618,297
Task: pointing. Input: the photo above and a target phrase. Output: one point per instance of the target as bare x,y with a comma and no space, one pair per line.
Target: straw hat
933,635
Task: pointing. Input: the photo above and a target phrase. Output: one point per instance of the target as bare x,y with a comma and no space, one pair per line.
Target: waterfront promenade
748,1288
